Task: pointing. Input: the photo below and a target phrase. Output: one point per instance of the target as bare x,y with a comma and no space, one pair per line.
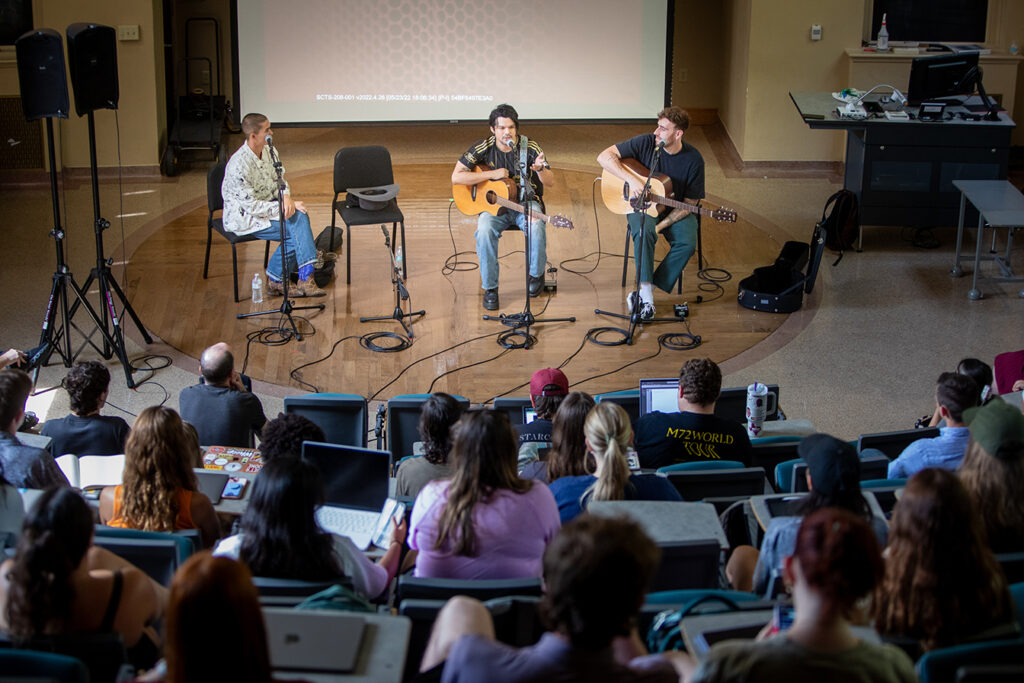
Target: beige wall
1006,26
735,55
696,48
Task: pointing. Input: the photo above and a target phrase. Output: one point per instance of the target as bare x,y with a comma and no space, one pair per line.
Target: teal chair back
883,483
703,465
941,666
784,474
43,666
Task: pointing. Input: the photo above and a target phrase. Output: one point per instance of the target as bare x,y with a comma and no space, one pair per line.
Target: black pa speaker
41,77
92,58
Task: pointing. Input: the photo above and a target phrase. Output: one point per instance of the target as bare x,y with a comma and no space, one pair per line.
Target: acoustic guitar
492,196
616,196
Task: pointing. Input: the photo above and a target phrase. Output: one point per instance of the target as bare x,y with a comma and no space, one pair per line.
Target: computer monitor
659,394
937,76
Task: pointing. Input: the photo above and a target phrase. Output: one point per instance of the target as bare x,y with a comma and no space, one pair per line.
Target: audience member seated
597,571
438,414
547,389
568,456
608,435
12,514
59,583
283,436
954,394
993,472
835,562
11,357
25,467
85,431
160,492
215,629
981,373
221,410
694,433
833,478
942,584
280,538
485,522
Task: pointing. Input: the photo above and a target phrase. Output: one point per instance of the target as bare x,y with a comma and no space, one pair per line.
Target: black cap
833,464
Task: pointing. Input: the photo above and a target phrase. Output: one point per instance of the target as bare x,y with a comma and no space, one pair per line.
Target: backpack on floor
842,223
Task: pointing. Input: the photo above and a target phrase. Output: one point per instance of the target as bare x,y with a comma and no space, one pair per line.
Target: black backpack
840,219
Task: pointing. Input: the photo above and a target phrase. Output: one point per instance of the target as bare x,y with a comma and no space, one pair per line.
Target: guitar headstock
560,222
724,215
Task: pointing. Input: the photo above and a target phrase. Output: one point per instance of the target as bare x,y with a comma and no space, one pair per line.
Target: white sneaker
646,310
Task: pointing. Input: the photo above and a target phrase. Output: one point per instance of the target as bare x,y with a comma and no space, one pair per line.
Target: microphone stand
286,307
640,204
521,322
401,293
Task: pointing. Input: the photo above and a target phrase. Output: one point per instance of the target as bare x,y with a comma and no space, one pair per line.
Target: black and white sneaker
646,309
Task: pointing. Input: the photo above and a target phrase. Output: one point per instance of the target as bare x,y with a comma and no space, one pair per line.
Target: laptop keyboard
358,525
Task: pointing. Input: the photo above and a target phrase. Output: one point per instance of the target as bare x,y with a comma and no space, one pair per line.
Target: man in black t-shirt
694,433
85,431
222,410
684,166
501,152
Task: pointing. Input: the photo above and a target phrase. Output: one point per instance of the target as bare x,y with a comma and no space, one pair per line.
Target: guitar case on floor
780,287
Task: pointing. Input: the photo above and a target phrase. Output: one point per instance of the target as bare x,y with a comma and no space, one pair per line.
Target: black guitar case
780,287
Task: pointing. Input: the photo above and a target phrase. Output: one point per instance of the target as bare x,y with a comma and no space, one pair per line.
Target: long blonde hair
157,465
608,433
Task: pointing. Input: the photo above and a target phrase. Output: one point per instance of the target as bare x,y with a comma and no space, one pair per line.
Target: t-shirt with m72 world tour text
664,439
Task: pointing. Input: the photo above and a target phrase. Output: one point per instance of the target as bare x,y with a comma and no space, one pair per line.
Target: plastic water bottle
399,256
883,37
257,289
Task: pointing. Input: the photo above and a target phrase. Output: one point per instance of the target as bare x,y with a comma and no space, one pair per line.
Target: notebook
309,640
355,489
659,395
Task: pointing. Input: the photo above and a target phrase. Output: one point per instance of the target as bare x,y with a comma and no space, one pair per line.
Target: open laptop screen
659,394
353,477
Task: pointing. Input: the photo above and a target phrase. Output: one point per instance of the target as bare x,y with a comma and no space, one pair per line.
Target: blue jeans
299,247
682,240
489,229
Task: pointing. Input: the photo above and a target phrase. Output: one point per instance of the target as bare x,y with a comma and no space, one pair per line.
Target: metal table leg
975,293
957,271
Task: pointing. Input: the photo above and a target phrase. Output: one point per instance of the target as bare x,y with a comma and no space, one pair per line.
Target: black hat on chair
374,198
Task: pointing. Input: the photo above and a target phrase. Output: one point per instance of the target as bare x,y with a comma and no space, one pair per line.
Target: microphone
661,144
511,142
269,140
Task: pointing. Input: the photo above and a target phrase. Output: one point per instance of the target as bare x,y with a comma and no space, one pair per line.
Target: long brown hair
214,609
995,485
157,464
569,456
484,458
942,584
608,431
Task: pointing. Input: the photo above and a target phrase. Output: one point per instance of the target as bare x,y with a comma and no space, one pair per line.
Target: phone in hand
386,522
782,617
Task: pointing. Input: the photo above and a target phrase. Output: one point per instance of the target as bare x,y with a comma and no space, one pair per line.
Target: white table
1000,205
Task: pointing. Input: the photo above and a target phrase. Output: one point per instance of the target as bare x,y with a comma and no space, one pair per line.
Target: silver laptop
311,640
355,489
211,482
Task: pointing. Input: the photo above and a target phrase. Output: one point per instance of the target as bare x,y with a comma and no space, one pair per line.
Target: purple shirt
512,530
475,658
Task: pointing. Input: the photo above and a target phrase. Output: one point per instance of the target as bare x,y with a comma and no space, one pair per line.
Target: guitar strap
524,152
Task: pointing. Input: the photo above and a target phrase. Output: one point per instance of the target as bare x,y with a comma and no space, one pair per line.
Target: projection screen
324,61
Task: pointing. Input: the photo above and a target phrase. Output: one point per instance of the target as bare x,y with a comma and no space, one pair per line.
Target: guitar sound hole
490,196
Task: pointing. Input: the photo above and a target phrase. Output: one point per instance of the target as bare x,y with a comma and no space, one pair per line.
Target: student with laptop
694,433
485,522
280,537
548,387
608,434
569,455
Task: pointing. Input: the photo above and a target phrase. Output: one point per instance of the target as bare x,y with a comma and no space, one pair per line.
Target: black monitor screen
938,76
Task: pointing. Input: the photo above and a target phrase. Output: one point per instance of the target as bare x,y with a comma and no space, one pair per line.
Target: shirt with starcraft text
664,439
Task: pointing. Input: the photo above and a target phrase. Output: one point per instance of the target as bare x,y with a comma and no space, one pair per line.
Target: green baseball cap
997,425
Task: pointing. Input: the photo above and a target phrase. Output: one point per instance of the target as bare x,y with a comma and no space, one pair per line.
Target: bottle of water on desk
257,289
883,37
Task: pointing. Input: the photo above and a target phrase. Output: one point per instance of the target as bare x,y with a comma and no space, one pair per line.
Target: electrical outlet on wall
128,32
816,32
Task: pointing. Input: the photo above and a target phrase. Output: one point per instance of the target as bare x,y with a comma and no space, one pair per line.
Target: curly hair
85,383
995,485
283,436
214,608
484,459
608,430
54,539
280,536
503,111
942,583
438,414
569,456
680,118
700,381
157,465
596,572
839,556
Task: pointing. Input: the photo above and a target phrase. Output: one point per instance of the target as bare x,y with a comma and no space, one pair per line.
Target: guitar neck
675,204
519,208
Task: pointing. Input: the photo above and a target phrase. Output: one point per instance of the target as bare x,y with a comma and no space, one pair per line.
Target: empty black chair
157,554
688,564
341,416
215,203
418,588
361,167
732,404
403,420
629,399
513,406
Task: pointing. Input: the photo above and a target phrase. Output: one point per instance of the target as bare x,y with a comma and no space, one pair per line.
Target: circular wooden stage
452,349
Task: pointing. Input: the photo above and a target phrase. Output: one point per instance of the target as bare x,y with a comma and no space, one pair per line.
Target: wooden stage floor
453,349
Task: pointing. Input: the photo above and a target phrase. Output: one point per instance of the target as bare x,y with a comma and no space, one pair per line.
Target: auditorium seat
342,417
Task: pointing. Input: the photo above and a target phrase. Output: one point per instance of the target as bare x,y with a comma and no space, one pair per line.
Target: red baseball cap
549,377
